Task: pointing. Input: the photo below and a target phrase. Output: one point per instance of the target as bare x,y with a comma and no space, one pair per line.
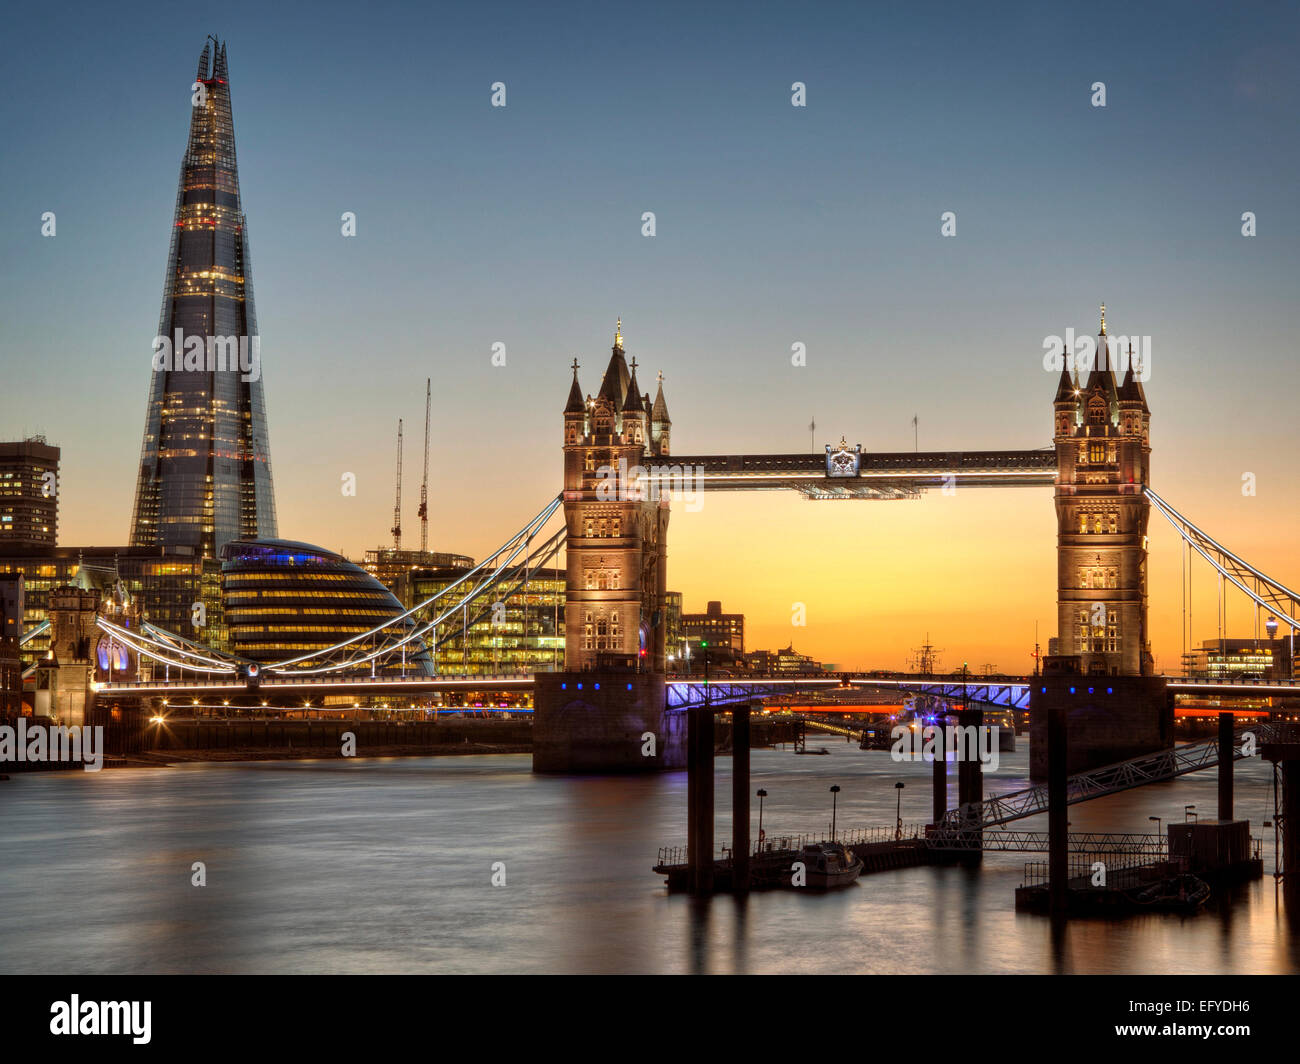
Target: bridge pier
1109,718
740,798
1225,766
699,798
1058,811
970,779
939,782
605,721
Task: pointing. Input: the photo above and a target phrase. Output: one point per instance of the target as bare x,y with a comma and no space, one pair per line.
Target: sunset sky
775,225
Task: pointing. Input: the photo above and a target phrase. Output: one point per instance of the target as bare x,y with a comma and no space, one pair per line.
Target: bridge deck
885,475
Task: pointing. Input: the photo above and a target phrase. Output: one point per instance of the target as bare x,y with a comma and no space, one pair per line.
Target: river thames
386,866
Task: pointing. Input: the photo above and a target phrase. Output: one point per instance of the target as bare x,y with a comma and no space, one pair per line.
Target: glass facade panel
205,466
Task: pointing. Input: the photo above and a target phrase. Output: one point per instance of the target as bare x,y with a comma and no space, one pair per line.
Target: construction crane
397,508
424,484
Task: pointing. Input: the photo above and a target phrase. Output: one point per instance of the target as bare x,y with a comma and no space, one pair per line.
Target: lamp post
898,812
1158,823
835,797
761,795
1189,813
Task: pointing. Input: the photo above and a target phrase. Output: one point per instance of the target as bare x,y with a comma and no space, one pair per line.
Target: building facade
205,466
722,633
167,588
11,631
29,494
1242,659
616,528
1103,449
285,600
524,633
393,568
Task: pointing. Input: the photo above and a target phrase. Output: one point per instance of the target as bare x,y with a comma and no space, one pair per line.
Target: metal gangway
1099,782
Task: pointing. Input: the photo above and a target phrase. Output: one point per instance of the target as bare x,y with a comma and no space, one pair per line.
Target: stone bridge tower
607,710
1103,456
1101,673
617,525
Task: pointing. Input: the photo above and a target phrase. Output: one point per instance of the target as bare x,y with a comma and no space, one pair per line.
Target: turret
660,422
575,411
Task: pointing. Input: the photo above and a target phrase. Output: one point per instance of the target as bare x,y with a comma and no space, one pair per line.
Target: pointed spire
202,74
659,412
613,385
1067,389
1103,319
632,400
219,70
575,404
1131,391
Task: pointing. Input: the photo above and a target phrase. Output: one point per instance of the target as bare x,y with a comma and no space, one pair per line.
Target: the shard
205,466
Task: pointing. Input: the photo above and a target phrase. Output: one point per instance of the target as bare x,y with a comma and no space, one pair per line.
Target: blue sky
775,225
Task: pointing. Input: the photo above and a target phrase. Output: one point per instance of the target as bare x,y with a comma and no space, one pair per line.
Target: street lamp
761,795
1189,813
898,812
835,797
1158,823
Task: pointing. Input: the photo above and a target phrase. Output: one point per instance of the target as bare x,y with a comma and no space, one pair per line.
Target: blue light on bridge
629,687
1110,690
564,687
1071,690
597,686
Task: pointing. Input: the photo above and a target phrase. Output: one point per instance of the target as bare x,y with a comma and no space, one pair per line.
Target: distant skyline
775,225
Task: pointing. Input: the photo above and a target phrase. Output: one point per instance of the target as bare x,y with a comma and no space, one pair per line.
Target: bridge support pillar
1225,766
699,799
605,721
939,781
740,799
1058,812
1109,718
970,780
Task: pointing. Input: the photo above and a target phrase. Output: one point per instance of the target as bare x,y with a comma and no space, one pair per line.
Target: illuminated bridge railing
687,693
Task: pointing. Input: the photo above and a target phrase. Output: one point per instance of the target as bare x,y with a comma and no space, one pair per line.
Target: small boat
1185,893
820,750
829,864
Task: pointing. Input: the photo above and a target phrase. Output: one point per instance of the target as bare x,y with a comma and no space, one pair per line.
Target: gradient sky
775,225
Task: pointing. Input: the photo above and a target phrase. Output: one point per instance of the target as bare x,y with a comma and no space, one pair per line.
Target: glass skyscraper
205,466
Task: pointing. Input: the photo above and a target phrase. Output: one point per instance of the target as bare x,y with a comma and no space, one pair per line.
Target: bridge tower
1103,456
606,712
1101,667
617,527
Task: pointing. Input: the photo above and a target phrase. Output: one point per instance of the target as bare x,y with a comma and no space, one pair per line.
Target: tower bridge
619,476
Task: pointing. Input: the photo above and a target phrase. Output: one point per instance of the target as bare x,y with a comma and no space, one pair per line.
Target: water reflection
386,866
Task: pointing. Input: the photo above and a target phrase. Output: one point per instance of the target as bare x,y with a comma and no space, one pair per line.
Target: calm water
385,866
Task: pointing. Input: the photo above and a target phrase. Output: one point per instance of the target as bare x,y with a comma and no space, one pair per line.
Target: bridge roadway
683,691
885,475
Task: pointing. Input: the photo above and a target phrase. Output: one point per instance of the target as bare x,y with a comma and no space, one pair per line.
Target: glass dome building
285,599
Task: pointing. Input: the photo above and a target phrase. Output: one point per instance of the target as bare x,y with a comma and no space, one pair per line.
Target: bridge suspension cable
1269,594
33,632
409,627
